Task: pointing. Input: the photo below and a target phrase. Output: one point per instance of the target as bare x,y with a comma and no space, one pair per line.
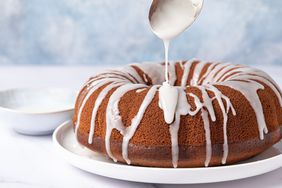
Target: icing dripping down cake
225,113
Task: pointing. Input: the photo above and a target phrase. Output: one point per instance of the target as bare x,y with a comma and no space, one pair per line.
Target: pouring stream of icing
168,19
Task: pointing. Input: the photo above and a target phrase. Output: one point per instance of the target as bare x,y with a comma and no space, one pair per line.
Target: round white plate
80,157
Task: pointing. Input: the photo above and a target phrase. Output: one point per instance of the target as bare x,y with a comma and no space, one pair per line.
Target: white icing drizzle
272,82
240,78
145,78
225,69
211,75
186,71
131,71
94,87
173,130
98,102
130,131
198,104
197,71
249,90
113,118
235,70
172,74
248,73
140,90
181,65
154,71
208,136
125,74
166,47
265,76
263,80
168,100
210,68
219,96
183,108
113,74
207,102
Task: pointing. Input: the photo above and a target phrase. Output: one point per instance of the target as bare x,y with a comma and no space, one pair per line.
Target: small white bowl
36,111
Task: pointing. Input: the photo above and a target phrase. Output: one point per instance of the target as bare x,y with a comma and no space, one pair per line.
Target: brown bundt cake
225,113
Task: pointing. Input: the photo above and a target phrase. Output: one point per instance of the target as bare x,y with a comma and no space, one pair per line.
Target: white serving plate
36,111
80,157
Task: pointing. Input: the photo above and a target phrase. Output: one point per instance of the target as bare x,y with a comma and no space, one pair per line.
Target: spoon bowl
169,18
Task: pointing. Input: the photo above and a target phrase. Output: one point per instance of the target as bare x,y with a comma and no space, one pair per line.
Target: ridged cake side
233,113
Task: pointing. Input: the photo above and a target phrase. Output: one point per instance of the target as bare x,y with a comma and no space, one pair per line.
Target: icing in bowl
36,111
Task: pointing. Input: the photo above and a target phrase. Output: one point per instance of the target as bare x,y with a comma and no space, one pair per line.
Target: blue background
97,32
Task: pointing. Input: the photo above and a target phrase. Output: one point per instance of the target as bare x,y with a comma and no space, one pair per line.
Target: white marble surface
28,162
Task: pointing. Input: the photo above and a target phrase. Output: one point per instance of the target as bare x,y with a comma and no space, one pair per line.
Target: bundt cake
225,114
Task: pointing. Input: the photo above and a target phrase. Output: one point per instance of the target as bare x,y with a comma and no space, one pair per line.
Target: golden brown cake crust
151,143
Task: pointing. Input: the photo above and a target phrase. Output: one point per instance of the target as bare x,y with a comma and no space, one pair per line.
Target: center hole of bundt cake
178,76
